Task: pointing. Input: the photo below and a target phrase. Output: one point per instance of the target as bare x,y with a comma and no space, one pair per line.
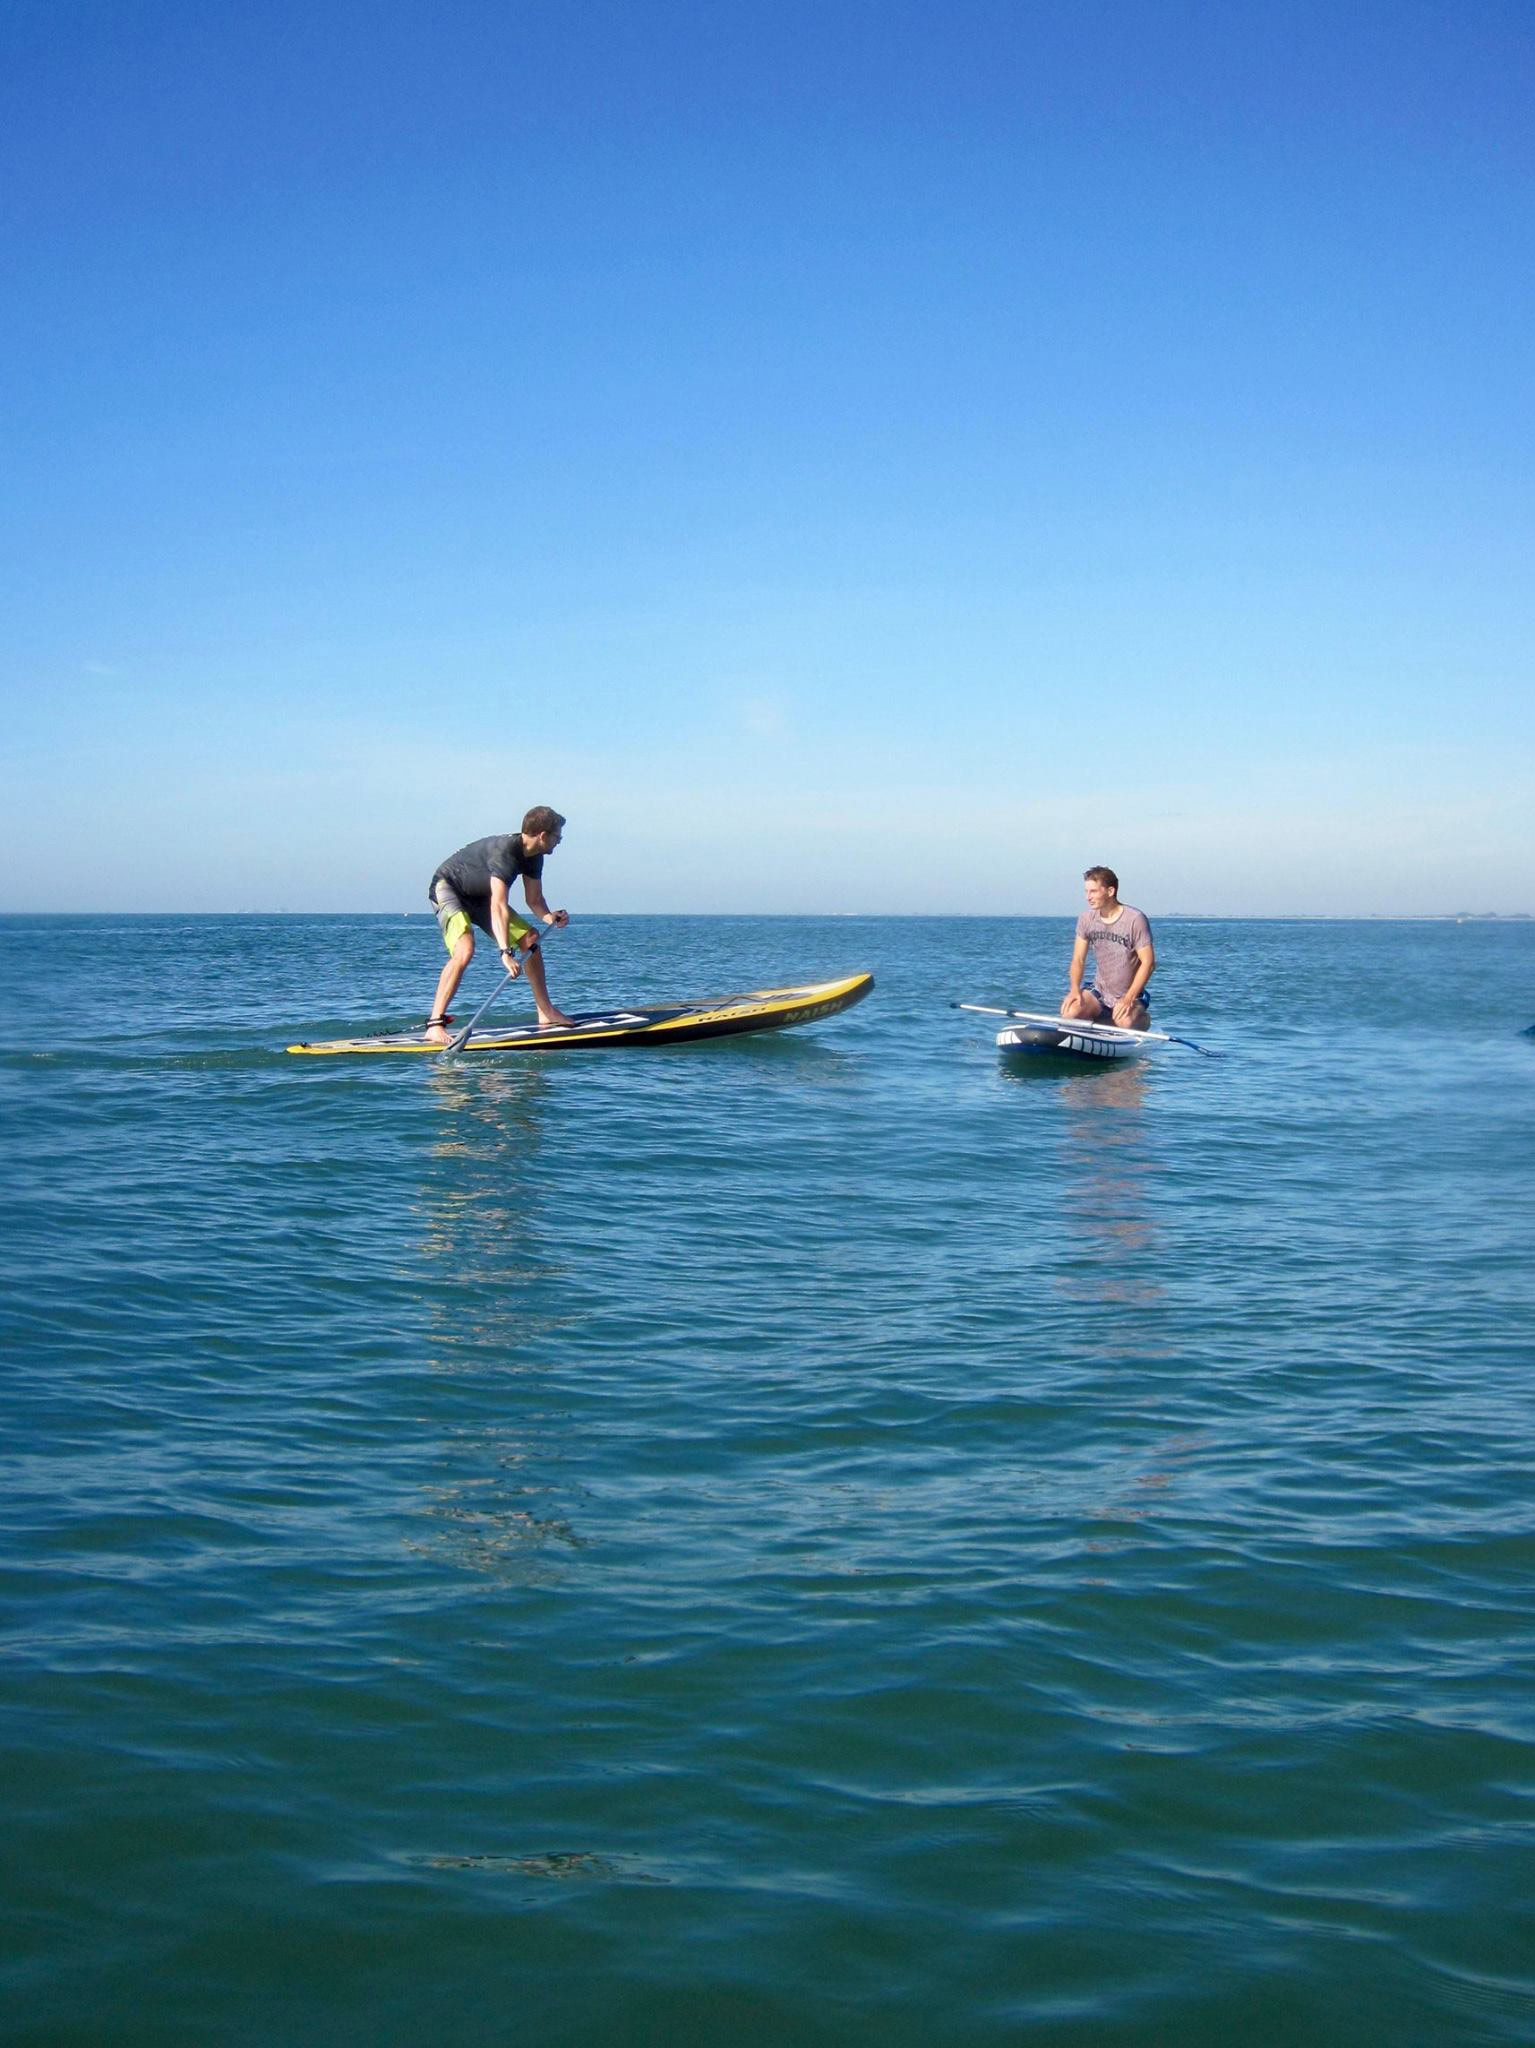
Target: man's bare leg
547,1013
447,985
1084,1007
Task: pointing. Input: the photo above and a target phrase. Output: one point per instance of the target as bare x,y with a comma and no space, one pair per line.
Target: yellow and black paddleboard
763,1009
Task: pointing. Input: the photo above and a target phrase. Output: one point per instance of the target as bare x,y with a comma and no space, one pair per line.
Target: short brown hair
542,819
1105,875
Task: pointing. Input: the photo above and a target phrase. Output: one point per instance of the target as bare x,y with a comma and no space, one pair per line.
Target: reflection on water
492,1509
561,1865
1107,1128
1112,1161
496,1523
749,1057
1108,1163
483,1195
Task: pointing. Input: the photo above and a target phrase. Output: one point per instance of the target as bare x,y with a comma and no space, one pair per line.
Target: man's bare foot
551,1020
437,1032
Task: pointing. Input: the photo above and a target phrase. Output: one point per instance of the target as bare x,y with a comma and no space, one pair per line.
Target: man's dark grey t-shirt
471,870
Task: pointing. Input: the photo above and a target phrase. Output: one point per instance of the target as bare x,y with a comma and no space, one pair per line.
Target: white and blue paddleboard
1074,1038
1034,1031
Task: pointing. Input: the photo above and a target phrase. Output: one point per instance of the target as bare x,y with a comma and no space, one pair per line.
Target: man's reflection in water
483,1197
1111,1161
496,1318
1113,1262
1107,1231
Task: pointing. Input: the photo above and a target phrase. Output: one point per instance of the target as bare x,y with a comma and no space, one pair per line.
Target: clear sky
848,456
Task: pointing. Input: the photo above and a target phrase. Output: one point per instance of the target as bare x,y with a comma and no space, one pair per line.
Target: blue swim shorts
1143,999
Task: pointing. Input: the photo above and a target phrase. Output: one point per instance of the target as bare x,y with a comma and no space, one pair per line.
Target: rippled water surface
820,1538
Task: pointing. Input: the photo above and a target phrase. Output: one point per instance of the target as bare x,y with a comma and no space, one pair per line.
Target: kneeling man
1123,958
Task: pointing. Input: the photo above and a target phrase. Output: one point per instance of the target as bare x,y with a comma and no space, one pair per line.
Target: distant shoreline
860,916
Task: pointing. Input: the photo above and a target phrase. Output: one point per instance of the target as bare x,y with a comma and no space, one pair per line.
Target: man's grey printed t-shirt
1116,948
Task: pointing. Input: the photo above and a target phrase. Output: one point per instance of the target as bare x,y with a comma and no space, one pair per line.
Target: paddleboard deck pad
762,1009
1074,1039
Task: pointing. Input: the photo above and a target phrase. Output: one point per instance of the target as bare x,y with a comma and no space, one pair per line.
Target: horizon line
892,916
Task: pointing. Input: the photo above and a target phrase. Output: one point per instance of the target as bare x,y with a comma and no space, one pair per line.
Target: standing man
1123,958
470,888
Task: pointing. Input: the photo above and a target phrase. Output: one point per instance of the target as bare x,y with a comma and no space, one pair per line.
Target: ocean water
827,1538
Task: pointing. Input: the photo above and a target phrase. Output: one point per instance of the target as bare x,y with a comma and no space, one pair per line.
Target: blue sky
846,456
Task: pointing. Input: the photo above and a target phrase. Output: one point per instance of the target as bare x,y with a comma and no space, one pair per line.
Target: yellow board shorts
454,920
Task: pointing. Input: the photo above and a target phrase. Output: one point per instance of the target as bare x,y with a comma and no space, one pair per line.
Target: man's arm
533,889
1078,962
1129,1002
503,920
